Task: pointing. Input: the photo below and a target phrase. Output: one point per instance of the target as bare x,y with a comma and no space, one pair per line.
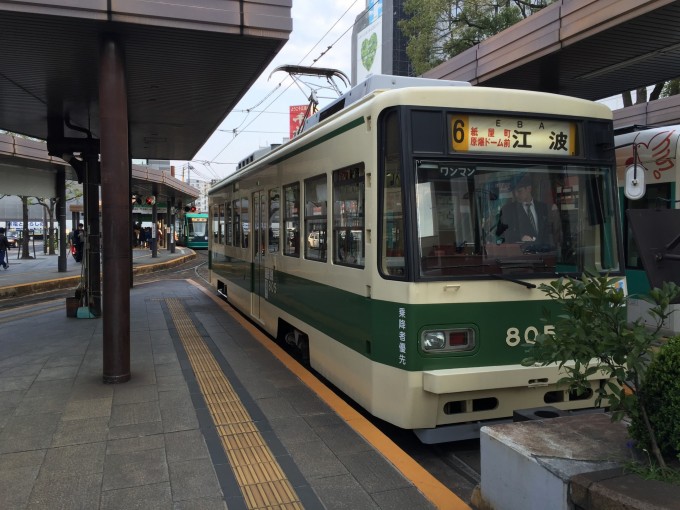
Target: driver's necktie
527,208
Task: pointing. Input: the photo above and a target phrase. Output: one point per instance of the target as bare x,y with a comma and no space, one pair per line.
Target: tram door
259,247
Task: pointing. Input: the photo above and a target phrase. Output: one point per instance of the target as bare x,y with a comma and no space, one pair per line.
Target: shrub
592,335
660,393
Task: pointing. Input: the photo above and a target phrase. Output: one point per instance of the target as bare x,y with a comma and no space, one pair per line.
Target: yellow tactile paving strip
433,489
262,481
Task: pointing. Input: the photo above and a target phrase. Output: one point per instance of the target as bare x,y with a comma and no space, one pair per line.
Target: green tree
437,30
671,88
73,191
49,204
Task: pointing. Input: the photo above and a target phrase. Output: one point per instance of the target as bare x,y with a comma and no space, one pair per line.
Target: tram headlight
448,340
433,340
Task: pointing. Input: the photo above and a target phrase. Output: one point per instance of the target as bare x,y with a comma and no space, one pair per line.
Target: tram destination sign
512,135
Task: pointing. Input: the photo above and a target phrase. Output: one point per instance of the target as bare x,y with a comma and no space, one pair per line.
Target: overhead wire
237,130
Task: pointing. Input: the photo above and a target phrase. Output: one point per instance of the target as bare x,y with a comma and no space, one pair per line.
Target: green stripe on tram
320,140
371,327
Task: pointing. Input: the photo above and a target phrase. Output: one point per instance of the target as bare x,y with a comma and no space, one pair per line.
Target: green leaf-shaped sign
368,49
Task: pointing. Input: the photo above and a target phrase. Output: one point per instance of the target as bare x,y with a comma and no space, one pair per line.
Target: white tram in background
375,242
658,156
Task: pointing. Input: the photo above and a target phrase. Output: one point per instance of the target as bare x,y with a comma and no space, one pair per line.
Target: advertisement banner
369,50
297,117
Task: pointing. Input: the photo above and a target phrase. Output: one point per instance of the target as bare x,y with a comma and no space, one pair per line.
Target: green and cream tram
380,242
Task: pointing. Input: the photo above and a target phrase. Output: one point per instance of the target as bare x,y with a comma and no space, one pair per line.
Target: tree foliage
661,393
440,29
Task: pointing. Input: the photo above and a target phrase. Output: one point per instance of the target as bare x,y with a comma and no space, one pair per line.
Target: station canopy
187,64
591,49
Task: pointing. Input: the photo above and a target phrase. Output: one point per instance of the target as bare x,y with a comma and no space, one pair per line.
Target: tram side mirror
634,188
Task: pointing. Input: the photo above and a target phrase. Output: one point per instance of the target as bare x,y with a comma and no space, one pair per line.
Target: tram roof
187,64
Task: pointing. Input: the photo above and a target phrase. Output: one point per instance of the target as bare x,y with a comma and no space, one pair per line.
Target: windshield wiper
528,285
516,263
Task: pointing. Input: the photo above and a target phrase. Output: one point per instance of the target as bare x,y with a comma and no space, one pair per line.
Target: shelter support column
61,219
115,168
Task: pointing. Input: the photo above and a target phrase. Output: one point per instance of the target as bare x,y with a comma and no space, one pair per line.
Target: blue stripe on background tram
193,230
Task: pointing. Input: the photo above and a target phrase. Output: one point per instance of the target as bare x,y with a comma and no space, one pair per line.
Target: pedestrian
142,237
148,234
71,243
79,241
4,249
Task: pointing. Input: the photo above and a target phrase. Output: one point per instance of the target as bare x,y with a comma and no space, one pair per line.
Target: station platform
40,273
214,416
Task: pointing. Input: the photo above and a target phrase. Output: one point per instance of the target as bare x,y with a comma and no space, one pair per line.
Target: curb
152,268
614,488
27,289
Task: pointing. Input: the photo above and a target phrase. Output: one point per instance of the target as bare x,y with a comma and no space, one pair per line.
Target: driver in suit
523,219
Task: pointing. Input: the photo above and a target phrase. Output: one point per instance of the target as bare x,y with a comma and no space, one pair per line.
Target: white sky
313,32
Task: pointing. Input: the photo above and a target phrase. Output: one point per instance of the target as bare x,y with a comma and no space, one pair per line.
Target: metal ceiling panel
187,64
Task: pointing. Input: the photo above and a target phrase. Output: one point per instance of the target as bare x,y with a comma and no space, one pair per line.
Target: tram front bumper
458,380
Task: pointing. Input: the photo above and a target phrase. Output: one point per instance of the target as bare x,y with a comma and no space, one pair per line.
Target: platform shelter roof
187,63
591,49
26,168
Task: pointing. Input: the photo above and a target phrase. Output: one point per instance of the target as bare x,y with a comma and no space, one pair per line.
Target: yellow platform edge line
435,491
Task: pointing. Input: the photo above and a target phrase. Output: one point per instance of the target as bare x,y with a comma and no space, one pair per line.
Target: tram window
212,223
215,227
237,222
291,214
229,224
220,235
393,254
348,216
316,199
215,224
245,222
274,219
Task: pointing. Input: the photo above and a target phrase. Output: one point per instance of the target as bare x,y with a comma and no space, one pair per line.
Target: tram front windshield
487,219
198,227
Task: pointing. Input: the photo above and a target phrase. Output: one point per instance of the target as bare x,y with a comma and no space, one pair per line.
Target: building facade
378,46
